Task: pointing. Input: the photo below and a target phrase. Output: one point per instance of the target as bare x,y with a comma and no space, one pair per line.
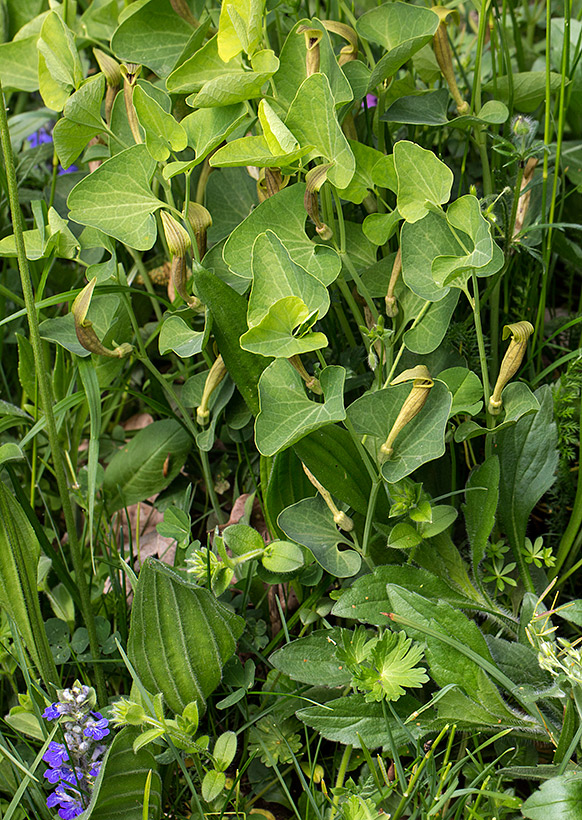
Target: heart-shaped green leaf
177,336
117,198
293,71
310,523
322,130
237,85
285,214
255,151
153,35
402,29
276,276
162,131
421,440
286,413
424,182
273,334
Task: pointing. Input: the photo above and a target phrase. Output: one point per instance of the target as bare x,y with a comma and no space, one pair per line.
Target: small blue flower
52,712
55,755
97,729
60,773
70,804
39,137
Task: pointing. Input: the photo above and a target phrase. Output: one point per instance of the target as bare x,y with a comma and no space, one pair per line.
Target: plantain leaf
180,636
120,787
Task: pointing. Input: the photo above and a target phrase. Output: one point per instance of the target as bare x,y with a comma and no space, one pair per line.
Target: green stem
370,516
341,775
46,394
574,523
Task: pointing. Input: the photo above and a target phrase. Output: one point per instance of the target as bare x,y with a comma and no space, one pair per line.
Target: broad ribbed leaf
119,790
180,636
19,554
137,471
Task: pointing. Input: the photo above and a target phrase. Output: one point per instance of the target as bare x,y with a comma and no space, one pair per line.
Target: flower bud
84,327
109,66
520,333
215,375
130,73
313,182
413,404
179,276
200,220
312,39
349,52
177,236
391,304
343,521
310,381
442,52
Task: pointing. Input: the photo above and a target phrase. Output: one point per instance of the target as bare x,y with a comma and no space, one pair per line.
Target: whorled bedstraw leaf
286,413
322,131
400,28
162,131
310,522
117,198
276,276
421,440
424,182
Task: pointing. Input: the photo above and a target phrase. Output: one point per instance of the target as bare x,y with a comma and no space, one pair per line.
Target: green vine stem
343,768
46,395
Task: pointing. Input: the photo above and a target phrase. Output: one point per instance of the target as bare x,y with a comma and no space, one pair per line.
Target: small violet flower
42,137
52,712
82,727
97,729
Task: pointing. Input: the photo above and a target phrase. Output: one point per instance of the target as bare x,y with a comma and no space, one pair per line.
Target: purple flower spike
55,755
371,101
52,712
39,137
97,729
